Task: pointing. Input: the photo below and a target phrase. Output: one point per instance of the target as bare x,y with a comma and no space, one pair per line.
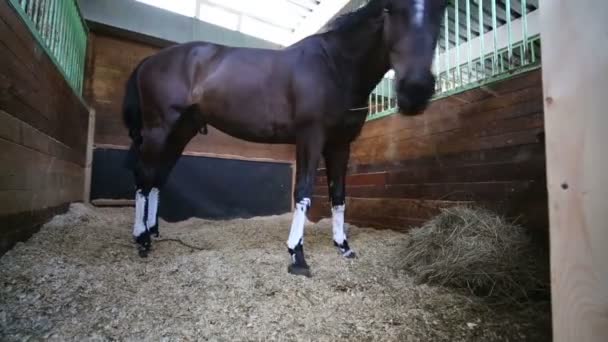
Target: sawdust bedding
80,278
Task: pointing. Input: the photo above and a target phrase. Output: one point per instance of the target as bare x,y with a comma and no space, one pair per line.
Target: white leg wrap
297,224
337,222
152,207
140,204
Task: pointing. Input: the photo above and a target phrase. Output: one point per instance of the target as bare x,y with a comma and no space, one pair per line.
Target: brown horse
304,94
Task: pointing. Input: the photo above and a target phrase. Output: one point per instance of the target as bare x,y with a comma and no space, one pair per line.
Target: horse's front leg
309,144
336,161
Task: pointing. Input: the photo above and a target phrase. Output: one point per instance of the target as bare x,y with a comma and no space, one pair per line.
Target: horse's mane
351,20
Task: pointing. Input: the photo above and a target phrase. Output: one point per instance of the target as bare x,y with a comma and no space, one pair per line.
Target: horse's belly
261,128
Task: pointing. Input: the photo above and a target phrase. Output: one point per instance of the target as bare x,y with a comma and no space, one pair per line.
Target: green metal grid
458,31
60,29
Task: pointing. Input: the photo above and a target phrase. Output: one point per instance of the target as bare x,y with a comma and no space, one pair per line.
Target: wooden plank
30,180
88,167
528,79
532,153
452,142
100,202
575,65
471,191
21,226
398,224
19,132
491,172
499,164
205,154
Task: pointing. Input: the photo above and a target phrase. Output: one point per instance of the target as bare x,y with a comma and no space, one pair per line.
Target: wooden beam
575,65
113,202
206,154
88,166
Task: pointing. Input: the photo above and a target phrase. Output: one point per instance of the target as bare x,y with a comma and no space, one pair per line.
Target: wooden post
89,158
574,38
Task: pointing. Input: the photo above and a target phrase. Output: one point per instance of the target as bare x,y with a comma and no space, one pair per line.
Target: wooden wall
483,145
111,60
43,133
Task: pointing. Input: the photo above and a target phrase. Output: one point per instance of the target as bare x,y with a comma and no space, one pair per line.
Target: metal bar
59,30
447,49
70,43
47,22
458,81
82,55
390,95
73,51
40,18
34,9
481,39
437,71
376,99
63,41
75,29
28,8
524,24
495,55
55,28
509,33
382,92
469,53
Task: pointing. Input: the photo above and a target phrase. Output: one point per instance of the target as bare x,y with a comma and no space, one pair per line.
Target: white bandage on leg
152,208
337,222
297,224
139,226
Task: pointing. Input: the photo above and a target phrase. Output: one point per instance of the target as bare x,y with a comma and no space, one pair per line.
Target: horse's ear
388,6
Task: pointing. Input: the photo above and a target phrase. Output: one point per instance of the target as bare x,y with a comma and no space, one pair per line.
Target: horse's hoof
299,270
345,251
154,231
143,253
349,254
144,244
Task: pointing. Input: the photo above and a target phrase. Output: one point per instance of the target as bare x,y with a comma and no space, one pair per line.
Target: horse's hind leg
146,171
160,151
336,161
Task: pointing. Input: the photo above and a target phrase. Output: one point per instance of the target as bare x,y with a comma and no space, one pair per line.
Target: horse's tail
132,118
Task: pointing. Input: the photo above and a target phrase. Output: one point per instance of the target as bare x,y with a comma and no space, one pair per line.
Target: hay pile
477,250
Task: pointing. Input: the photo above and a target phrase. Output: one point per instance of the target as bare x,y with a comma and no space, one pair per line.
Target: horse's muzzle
413,94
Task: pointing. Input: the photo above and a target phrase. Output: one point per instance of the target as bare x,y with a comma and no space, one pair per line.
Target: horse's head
411,29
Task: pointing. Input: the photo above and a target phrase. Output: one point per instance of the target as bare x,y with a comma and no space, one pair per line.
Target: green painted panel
59,28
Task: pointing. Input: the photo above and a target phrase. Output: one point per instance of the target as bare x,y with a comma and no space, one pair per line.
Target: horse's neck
361,59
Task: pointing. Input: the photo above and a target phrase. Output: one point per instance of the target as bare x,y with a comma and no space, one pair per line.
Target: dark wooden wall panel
43,133
483,146
111,61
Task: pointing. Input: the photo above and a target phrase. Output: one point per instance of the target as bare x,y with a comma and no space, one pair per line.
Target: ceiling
279,21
